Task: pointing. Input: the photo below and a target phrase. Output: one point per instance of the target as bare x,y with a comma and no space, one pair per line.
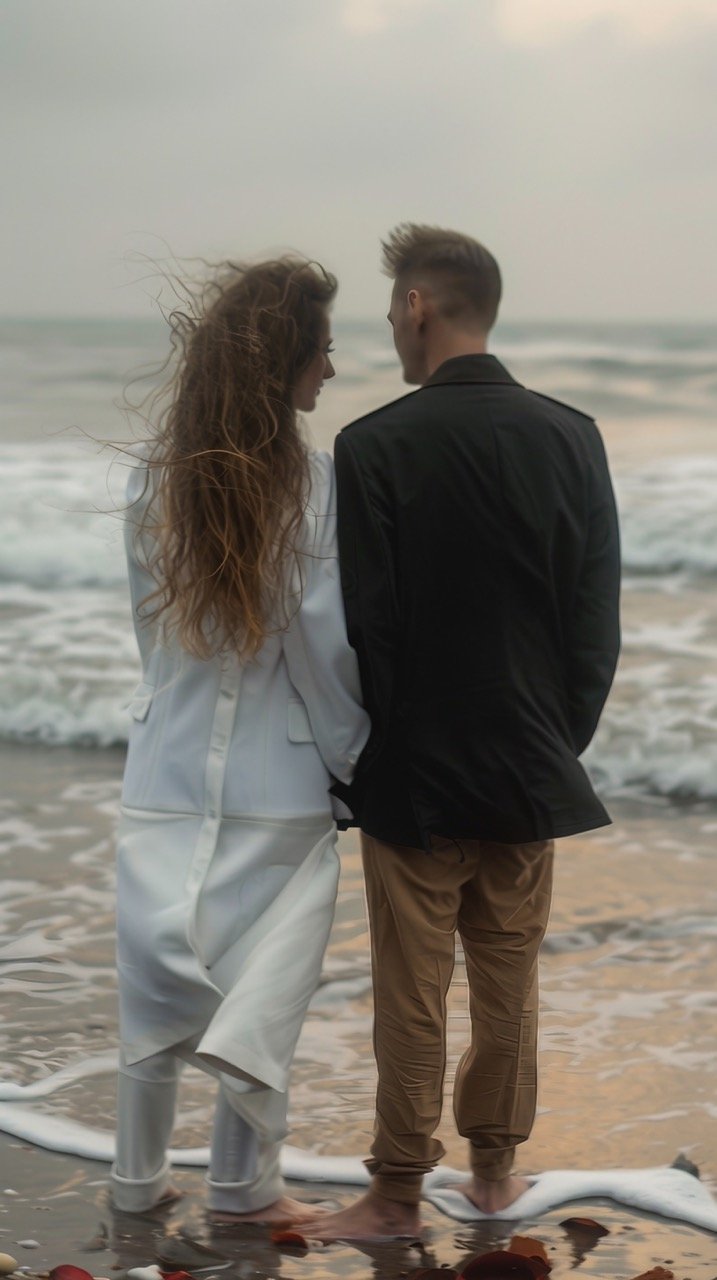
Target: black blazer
479,555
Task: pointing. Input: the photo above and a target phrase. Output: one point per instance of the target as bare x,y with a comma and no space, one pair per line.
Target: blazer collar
478,368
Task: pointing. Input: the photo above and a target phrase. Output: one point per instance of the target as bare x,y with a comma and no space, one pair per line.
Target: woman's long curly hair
230,469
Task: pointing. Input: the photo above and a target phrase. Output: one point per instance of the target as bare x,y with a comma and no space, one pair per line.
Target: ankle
482,1180
399,1210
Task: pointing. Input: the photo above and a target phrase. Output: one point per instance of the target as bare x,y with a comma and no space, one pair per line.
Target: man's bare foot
284,1210
492,1197
372,1219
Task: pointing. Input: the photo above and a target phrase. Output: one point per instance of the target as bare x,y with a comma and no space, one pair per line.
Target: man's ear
416,307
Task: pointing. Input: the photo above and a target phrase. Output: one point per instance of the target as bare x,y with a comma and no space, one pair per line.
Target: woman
249,704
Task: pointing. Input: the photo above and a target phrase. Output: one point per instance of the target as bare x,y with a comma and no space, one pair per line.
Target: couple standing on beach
417,639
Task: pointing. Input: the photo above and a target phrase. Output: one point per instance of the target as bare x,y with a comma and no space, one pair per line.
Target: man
480,565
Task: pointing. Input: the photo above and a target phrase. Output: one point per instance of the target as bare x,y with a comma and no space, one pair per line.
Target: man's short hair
462,274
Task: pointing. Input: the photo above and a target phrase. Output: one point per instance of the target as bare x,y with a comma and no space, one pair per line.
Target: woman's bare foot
284,1210
372,1219
492,1197
169,1196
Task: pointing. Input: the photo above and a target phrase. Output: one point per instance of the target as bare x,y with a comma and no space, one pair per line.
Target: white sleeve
322,665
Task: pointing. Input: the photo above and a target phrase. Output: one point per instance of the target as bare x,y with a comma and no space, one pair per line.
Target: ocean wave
658,733
75,369
61,517
68,665
68,659
672,768
681,347
674,764
599,384
36,716
67,683
669,517
661,362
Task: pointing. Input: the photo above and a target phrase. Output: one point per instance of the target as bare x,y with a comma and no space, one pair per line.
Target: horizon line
93,317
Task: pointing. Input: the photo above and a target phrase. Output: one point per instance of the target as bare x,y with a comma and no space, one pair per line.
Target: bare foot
283,1210
492,1197
372,1219
169,1196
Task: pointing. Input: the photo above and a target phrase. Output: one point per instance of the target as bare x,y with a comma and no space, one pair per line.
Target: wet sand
628,1042
62,1204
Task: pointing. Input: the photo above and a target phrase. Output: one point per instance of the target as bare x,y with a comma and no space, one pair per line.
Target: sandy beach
628,1041
62,1205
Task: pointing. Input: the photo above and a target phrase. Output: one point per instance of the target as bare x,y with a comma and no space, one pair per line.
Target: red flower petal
504,1265
588,1225
67,1272
434,1273
294,1238
528,1247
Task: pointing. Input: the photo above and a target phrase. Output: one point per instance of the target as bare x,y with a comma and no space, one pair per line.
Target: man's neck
446,346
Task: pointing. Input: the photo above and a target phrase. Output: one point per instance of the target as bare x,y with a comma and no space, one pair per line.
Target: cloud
247,128
542,21
365,17
139,53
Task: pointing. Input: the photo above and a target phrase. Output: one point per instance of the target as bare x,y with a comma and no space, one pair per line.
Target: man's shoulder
375,435
550,401
396,411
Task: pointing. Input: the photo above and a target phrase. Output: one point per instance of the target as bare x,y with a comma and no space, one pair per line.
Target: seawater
68,659
629,968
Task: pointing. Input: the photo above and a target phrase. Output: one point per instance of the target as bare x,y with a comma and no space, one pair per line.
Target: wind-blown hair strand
229,471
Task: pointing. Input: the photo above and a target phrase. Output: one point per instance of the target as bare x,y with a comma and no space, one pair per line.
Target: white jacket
227,869
224,738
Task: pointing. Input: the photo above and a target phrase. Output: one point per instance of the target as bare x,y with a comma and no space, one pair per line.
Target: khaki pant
497,897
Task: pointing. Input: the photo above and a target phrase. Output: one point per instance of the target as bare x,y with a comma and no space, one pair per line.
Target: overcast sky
577,138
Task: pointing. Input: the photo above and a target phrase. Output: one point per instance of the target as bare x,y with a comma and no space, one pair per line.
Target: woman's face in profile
311,379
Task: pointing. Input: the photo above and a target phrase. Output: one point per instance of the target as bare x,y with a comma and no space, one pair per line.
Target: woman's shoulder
140,481
321,463
319,524
322,479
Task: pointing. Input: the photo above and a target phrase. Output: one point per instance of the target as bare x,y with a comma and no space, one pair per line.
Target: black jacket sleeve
594,641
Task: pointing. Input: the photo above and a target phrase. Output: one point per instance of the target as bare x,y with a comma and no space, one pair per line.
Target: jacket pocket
299,727
141,701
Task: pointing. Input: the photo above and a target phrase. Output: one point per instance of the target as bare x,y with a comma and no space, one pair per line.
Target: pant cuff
244,1197
491,1165
135,1195
405,1188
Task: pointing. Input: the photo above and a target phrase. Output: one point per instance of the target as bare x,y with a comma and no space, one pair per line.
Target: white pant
244,1173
